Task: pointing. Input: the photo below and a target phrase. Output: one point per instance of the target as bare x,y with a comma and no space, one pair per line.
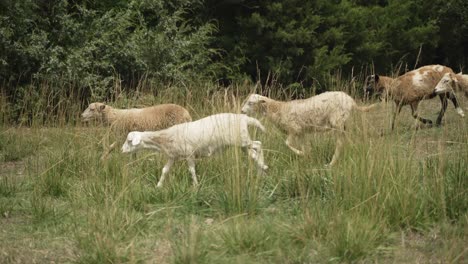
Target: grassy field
393,197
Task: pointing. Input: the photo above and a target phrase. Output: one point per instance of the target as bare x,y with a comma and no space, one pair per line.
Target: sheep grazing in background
198,139
451,82
126,120
326,111
411,88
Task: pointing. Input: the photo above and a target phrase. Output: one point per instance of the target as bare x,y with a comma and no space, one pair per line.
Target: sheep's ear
261,101
102,107
136,139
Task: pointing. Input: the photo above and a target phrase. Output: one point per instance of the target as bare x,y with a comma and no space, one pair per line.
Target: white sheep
198,139
451,82
411,88
126,120
326,111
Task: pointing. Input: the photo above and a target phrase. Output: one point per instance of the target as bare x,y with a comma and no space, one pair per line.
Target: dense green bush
98,45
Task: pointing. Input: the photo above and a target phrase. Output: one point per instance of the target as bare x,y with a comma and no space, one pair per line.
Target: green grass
393,197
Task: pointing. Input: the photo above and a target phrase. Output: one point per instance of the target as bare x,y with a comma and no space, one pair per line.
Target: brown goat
411,88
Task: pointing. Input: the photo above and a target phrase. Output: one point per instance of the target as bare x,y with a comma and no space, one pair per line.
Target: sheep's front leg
256,153
454,100
108,151
165,170
191,164
288,142
336,155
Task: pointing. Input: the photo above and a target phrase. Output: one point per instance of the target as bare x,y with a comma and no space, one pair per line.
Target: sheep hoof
298,152
460,112
262,171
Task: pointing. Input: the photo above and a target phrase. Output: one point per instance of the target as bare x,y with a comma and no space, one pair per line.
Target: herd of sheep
169,129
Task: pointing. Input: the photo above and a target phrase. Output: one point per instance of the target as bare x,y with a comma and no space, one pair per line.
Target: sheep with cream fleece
126,120
411,88
326,111
149,118
198,139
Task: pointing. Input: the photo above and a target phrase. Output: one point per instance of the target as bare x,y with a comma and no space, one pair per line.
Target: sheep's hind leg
191,164
165,170
288,142
395,113
256,153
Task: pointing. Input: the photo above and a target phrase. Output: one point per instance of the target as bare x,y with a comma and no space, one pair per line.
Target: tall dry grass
391,194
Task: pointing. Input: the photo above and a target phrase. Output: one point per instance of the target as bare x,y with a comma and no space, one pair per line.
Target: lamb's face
446,84
93,112
252,104
133,142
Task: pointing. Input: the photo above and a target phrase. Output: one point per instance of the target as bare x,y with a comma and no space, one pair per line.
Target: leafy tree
452,19
90,43
95,44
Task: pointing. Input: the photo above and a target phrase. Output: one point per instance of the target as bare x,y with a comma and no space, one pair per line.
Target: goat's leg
395,113
165,170
453,98
289,139
414,112
256,153
444,102
191,165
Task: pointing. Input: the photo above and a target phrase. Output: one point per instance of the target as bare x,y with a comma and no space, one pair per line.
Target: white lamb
199,138
326,111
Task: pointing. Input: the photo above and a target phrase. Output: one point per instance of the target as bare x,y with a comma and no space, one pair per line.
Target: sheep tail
256,123
366,108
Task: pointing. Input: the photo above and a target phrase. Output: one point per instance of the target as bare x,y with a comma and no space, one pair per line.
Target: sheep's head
136,141
254,103
446,84
372,85
93,112
133,142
